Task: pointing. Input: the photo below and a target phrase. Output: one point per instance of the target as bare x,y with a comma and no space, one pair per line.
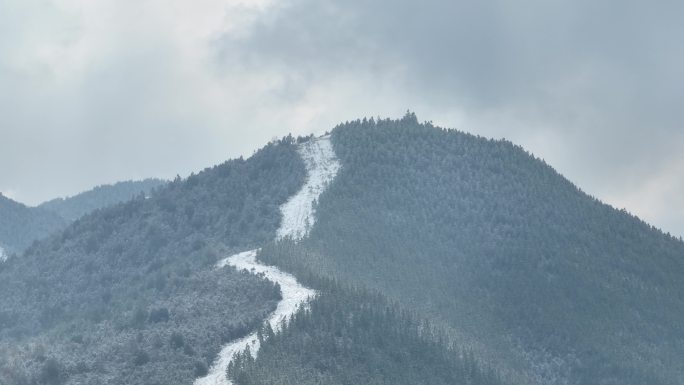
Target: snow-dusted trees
351,337
114,292
493,241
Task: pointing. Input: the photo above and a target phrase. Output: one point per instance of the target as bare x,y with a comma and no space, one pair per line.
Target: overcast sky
94,92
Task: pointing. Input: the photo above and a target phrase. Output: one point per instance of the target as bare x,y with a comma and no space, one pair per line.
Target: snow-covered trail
298,217
321,166
294,296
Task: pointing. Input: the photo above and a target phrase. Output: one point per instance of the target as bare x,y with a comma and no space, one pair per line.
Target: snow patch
3,256
298,217
321,166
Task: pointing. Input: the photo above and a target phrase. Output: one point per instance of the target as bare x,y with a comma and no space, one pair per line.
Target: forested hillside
485,239
74,207
21,225
349,336
129,294
439,258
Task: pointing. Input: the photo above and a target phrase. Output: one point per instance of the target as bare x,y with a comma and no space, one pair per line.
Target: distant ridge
20,225
72,208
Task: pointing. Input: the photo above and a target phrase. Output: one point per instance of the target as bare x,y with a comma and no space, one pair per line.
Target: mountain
74,207
437,257
128,294
21,225
490,242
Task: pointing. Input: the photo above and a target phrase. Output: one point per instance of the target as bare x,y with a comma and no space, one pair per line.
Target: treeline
129,294
348,336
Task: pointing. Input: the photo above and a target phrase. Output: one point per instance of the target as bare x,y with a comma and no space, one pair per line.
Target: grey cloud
604,78
488,53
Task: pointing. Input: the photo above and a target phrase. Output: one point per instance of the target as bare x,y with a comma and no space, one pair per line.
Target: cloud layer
128,89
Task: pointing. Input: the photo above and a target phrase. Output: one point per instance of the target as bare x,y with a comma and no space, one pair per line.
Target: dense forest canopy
129,294
21,225
438,256
348,336
496,245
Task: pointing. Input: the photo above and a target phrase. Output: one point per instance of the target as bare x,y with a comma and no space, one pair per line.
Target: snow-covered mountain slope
294,296
322,166
298,217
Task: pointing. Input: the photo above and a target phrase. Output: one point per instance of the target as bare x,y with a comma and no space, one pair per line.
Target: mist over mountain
437,257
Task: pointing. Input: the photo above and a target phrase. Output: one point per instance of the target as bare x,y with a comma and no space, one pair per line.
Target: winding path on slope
297,219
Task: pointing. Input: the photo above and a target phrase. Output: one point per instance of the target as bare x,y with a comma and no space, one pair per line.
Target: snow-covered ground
298,217
3,256
321,166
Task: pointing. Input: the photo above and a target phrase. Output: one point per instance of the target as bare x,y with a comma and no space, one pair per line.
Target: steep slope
129,294
345,336
74,207
296,221
21,225
529,271
351,337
